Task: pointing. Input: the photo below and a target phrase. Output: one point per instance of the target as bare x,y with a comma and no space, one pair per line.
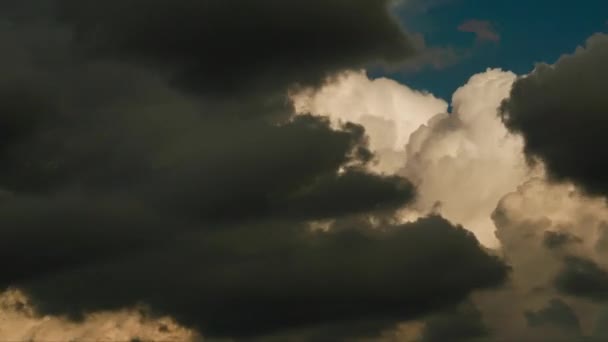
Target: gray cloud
556,313
583,278
233,46
270,277
463,323
561,111
483,30
556,239
155,164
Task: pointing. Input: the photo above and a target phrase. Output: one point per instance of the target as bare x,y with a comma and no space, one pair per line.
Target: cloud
545,273
248,280
556,313
467,166
466,161
237,45
21,323
389,111
157,166
553,235
160,165
483,30
559,239
437,57
560,111
600,329
583,278
464,322
539,209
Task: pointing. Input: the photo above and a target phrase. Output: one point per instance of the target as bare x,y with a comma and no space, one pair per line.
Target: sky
305,170
529,32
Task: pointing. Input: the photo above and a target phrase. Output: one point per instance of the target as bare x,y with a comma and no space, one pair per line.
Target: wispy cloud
435,57
483,30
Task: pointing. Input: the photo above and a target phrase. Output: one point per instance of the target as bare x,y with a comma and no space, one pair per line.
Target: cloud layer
467,166
19,322
461,163
156,165
171,170
560,110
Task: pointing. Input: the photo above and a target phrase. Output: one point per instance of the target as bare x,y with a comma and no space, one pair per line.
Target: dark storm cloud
119,187
274,277
562,113
600,329
555,239
583,278
103,126
44,235
353,191
601,245
463,323
231,46
556,313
